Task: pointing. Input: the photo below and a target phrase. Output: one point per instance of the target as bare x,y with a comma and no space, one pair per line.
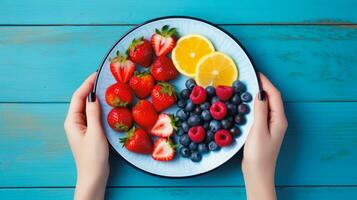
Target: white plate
179,167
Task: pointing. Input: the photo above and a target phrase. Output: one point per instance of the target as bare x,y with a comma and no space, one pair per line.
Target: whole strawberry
118,95
121,67
142,84
163,69
164,40
138,141
163,96
140,52
120,119
144,114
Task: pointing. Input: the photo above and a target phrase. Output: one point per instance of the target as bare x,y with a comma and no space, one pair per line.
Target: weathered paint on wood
307,63
224,11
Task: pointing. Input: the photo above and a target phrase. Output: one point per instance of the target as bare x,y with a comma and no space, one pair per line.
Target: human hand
88,142
263,143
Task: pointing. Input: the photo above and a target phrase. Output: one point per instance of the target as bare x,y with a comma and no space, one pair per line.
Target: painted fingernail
91,97
262,95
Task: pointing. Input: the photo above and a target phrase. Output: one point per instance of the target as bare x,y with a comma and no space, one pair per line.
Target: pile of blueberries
206,112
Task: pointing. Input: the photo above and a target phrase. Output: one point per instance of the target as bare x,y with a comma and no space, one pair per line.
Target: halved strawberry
164,126
121,67
163,150
164,41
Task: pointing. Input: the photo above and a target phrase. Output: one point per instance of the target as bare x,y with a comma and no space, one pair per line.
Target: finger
275,103
79,97
93,115
260,111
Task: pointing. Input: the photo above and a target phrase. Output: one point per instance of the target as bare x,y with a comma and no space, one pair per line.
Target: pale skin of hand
263,143
88,143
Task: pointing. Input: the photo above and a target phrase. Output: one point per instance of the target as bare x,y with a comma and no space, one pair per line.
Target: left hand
88,143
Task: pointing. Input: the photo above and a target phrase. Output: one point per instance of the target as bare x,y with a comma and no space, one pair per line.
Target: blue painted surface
307,48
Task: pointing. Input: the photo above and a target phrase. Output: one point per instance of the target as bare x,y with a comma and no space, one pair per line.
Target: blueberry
215,125
236,99
194,120
239,119
206,126
193,146
189,106
243,108
202,148
246,97
182,114
226,124
206,115
205,106
196,157
231,108
197,110
180,132
238,86
214,99
211,91
209,136
185,140
213,146
185,93
184,152
190,83
181,103
235,131
185,127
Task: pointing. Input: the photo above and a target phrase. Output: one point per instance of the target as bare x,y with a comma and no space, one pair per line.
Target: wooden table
308,48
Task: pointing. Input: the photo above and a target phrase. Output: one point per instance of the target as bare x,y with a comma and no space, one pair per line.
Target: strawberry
140,51
144,114
163,96
118,95
164,126
163,150
138,141
121,68
163,69
120,119
164,41
142,84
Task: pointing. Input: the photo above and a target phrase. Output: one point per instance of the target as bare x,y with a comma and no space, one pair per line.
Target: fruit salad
210,108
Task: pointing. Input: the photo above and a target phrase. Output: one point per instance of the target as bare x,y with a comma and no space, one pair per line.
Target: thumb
261,110
93,112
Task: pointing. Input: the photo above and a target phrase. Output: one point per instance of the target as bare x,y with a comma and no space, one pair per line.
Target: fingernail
91,97
262,95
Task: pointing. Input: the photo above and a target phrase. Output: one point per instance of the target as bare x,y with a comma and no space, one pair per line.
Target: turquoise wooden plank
308,63
319,149
226,11
293,193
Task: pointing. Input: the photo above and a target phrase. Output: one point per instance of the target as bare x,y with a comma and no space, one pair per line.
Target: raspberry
223,138
224,93
218,110
198,95
197,134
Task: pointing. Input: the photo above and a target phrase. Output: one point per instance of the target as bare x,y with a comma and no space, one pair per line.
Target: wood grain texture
211,193
307,63
226,11
319,149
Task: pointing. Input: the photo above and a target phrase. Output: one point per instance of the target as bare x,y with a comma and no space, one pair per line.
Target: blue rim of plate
170,17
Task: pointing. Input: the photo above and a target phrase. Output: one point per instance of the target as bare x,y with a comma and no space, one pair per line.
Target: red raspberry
223,138
224,93
197,134
218,110
198,95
